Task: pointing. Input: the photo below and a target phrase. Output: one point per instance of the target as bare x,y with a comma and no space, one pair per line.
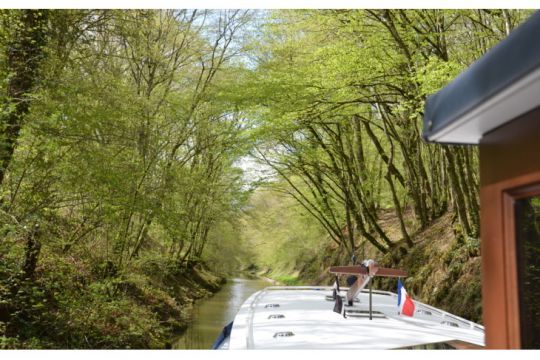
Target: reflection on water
211,315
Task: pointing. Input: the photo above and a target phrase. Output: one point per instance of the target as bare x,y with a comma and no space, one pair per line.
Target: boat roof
500,86
303,318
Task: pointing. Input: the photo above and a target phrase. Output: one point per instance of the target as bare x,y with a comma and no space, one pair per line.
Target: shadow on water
211,315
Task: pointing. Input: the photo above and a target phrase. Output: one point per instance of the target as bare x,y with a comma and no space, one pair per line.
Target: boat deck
302,317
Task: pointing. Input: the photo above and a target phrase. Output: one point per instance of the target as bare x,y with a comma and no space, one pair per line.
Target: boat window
527,220
271,306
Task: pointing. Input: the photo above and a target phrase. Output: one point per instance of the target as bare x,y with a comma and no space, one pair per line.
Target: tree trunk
24,55
31,255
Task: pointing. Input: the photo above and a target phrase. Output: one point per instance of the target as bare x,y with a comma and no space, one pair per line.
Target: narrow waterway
211,315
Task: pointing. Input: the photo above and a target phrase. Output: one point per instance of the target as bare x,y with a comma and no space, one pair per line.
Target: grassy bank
71,304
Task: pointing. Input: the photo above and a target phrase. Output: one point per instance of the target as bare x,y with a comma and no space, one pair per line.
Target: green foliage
436,74
341,99
122,133
281,233
125,158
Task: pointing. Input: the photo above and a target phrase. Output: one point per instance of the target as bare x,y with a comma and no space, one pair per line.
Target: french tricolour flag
404,301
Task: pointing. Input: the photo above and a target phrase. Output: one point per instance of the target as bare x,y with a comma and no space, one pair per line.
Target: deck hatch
364,313
449,323
330,298
284,334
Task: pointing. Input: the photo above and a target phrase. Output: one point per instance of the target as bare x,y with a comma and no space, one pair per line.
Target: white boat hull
303,318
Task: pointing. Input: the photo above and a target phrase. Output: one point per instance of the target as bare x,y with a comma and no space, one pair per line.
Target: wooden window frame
500,289
510,241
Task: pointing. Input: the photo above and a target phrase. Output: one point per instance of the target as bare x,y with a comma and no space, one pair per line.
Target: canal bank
209,316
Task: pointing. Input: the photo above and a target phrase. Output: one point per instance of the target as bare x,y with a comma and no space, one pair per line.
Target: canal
212,314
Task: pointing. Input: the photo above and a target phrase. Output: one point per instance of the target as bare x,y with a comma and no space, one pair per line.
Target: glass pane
431,346
527,212
447,345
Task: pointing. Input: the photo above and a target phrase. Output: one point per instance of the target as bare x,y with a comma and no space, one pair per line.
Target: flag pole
399,280
370,286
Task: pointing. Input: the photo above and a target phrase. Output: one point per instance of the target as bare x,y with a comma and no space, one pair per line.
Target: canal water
212,314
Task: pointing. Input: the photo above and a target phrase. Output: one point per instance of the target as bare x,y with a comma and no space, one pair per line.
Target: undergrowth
77,304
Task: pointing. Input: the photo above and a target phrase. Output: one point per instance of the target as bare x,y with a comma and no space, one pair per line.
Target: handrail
249,338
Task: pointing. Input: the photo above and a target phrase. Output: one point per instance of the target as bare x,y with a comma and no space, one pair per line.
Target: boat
354,317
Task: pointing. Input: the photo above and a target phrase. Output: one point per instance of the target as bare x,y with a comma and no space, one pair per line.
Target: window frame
510,196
